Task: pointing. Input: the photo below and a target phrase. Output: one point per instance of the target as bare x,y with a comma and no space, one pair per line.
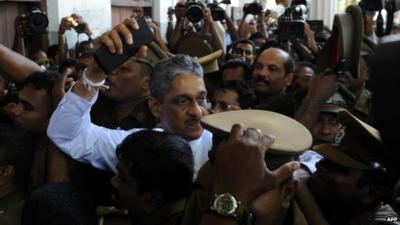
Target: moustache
261,79
193,119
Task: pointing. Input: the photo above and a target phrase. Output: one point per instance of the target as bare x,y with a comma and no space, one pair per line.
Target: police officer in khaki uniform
16,151
353,180
273,207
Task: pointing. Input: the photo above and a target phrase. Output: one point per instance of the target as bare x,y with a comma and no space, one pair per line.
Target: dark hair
56,204
158,161
306,64
52,51
40,80
16,149
246,96
244,41
66,64
256,35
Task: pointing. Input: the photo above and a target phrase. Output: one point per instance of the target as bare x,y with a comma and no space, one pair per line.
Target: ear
288,192
288,79
152,201
145,83
155,107
7,173
370,194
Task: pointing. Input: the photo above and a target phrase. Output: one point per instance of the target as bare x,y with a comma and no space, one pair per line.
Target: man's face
335,185
269,72
41,59
303,75
225,100
33,111
127,83
183,106
326,128
126,195
233,73
243,50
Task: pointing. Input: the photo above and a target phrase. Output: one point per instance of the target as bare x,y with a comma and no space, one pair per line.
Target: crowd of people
226,122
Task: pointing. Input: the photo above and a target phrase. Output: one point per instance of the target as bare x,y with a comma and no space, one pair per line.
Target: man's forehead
272,56
187,84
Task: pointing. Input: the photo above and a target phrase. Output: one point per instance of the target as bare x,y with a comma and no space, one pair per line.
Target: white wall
97,13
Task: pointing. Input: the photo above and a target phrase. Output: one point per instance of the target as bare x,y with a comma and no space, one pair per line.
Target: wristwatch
226,205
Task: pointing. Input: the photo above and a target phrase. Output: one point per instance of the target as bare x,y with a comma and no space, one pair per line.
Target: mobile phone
108,61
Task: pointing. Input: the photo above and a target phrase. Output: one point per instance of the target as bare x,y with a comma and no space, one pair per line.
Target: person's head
83,47
354,171
34,107
236,69
178,96
303,73
243,49
56,204
154,168
233,95
258,38
137,12
272,207
272,72
40,57
16,155
128,82
53,53
327,125
73,65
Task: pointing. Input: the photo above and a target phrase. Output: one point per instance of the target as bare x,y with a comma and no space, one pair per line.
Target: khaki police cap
154,54
292,138
210,62
345,42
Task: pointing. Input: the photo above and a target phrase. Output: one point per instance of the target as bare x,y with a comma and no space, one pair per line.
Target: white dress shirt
71,129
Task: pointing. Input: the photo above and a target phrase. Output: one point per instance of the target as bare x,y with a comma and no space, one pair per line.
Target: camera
291,25
371,5
194,11
78,27
37,22
253,8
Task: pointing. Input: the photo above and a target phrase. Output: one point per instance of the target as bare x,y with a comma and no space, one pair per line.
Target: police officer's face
183,106
269,72
33,110
326,128
334,185
127,83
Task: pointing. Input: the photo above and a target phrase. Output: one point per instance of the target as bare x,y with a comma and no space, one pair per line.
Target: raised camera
37,22
253,8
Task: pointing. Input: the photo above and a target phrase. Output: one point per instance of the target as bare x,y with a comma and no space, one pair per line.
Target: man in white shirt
178,99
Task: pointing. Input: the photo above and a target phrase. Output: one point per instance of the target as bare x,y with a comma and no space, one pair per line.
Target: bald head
279,55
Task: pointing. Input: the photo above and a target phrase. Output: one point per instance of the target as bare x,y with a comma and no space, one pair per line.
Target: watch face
225,204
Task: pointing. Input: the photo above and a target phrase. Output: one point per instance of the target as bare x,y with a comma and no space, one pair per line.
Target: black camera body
37,23
291,25
371,5
253,8
194,11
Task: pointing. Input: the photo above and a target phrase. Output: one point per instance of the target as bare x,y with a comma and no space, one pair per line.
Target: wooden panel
8,12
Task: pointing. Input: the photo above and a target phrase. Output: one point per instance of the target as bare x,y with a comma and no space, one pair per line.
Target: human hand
322,87
180,10
240,168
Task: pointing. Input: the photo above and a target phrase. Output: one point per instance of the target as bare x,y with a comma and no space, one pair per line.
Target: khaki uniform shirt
102,114
11,208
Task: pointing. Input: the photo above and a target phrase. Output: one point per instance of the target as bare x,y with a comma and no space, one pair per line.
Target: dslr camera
253,8
291,25
36,22
194,11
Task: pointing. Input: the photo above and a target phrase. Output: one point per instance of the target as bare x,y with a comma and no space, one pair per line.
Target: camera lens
194,13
